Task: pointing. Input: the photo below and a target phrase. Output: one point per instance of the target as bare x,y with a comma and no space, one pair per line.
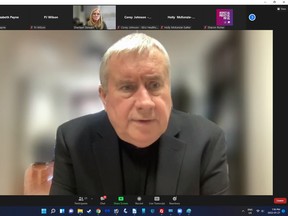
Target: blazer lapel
106,151
171,154
107,156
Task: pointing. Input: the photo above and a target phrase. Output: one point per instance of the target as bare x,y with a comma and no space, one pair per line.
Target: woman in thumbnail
96,20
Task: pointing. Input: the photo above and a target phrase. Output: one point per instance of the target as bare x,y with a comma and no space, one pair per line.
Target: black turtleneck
139,167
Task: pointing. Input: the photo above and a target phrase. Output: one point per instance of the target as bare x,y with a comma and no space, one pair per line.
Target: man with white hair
139,145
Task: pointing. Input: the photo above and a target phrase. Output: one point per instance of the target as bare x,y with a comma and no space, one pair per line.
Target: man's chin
143,143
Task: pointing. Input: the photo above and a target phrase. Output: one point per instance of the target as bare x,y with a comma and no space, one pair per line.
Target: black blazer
192,158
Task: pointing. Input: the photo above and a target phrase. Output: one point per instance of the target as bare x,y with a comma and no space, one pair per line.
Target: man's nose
144,100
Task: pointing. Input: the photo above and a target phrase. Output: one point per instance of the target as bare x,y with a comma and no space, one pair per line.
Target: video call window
50,77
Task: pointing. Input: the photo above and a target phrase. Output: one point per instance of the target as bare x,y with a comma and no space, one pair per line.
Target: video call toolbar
142,205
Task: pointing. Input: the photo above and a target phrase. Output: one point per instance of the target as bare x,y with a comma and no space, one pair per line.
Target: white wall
259,115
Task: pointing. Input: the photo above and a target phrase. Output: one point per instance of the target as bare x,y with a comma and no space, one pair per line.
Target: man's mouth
144,121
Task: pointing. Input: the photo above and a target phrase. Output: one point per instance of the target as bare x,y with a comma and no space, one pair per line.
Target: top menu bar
146,2
142,17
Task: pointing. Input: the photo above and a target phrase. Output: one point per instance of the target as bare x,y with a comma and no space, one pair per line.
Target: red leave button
280,200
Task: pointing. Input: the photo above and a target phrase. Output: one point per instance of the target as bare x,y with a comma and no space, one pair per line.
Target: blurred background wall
49,77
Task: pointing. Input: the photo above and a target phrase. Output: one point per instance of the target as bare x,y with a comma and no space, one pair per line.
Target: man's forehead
132,61
145,76
149,65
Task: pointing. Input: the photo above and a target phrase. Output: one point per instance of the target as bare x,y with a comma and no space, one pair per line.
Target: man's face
138,100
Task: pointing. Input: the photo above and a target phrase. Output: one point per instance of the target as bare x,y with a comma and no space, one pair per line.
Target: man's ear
102,94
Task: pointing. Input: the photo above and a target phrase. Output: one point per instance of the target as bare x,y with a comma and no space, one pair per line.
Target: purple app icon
224,17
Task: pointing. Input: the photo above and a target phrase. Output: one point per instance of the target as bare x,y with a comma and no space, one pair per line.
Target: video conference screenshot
143,110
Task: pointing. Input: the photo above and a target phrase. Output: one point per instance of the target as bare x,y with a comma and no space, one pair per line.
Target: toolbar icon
252,17
43,211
